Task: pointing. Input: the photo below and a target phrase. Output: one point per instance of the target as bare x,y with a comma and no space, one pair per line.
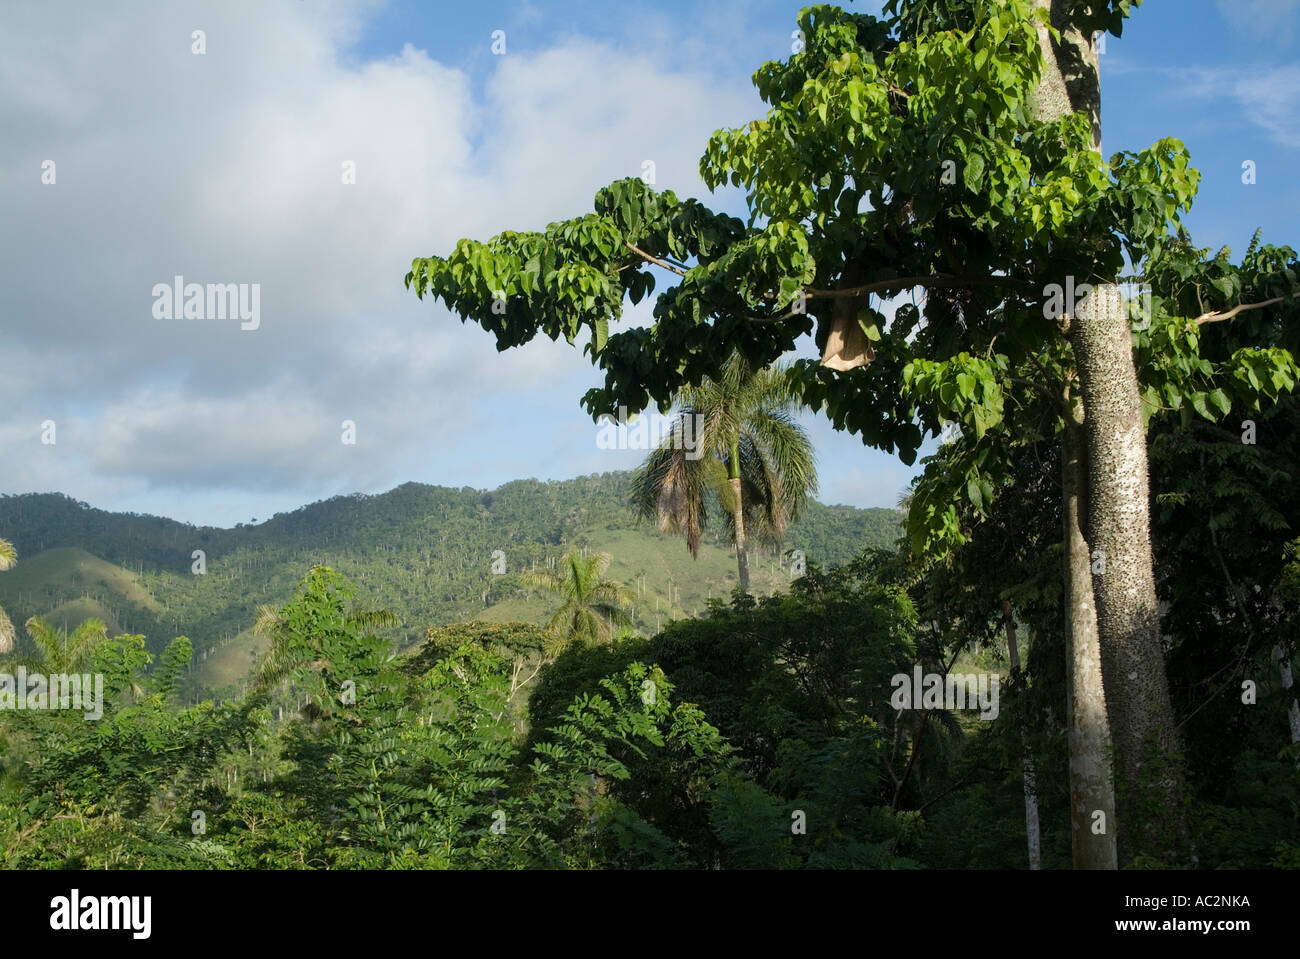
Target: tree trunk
738,514
1091,785
1284,668
1033,833
1152,820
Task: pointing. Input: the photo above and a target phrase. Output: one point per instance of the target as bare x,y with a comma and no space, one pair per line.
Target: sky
228,166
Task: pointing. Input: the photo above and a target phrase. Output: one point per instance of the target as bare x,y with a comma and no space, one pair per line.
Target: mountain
424,552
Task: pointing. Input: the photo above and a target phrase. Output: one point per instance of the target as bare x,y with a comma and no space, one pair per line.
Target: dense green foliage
418,762
758,736
422,552
947,150
383,728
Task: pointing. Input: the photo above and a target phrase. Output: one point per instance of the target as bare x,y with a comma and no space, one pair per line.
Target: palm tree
592,607
735,437
61,652
8,559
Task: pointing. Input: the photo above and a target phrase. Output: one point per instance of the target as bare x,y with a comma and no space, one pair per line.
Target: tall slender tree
736,438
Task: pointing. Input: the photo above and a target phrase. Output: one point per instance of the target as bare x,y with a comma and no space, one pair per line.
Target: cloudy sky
226,167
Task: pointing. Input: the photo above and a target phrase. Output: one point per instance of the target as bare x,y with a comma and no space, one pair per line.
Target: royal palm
735,438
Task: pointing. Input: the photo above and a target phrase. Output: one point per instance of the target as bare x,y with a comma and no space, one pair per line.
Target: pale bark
1133,666
1136,688
1092,793
1033,832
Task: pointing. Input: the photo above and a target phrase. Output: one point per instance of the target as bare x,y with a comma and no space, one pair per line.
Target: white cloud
1267,96
1270,98
227,167
1272,20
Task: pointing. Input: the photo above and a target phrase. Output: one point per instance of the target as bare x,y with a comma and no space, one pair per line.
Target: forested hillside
424,552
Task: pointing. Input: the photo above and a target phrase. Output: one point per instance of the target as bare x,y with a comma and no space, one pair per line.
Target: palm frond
365,618
591,606
80,646
48,642
278,661
779,469
61,652
669,489
750,411
8,635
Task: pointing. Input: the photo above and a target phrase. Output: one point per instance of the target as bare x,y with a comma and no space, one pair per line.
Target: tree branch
653,259
938,282
792,312
1218,316
900,283
947,792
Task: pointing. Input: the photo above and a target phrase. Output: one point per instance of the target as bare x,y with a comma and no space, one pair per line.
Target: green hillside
229,663
424,552
67,616
67,585
58,571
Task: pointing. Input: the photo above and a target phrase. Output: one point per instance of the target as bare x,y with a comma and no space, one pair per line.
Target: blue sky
224,167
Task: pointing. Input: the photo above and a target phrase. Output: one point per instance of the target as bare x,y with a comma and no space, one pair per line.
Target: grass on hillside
69,572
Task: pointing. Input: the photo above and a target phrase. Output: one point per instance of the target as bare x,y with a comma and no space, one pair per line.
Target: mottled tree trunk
1151,817
1152,820
1091,785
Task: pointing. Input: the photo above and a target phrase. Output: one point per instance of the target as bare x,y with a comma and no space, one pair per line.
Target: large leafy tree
950,151
294,645
735,438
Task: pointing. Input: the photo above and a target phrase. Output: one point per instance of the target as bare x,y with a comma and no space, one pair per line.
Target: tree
734,438
591,606
799,684
64,652
298,642
951,150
